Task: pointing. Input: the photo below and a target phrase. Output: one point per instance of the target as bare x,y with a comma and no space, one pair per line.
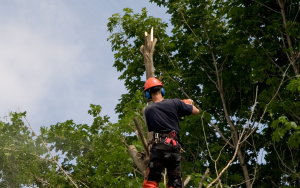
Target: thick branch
140,131
186,181
149,134
136,159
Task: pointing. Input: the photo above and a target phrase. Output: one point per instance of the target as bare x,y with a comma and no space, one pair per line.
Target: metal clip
156,135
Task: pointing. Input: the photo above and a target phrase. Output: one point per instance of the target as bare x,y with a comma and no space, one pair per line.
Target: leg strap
175,180
175,173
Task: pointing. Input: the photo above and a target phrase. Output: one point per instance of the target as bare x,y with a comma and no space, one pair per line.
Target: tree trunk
147,52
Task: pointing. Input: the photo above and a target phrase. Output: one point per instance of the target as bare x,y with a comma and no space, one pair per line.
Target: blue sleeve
183,109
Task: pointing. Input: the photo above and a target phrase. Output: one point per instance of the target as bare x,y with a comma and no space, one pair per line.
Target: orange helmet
151,82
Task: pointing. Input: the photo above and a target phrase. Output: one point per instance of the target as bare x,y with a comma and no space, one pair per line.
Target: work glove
188,101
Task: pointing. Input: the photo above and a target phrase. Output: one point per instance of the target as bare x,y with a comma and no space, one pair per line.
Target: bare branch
292,58
181,89
297,12
217,129
186,181
256,126
295,173
189,26
10,149
51,154
266,6
203,178
237,146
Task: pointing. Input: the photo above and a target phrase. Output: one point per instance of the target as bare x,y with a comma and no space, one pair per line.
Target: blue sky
55,59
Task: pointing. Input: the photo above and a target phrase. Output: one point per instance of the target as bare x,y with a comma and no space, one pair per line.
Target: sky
55,59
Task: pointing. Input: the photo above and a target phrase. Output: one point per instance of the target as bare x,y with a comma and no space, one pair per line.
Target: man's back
163,117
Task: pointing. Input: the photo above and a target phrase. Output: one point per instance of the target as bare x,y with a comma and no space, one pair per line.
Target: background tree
214,59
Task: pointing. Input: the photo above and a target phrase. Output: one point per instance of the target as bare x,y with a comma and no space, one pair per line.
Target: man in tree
162,118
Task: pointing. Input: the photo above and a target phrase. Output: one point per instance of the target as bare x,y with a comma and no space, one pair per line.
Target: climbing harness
167,141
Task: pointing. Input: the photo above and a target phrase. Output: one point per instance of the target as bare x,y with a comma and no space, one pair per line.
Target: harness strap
155,165
172,135
166,141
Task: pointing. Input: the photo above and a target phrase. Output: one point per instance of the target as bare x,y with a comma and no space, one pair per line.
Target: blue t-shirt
163,117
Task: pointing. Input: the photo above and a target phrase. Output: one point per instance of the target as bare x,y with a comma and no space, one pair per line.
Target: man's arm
191,102
150,129
195,111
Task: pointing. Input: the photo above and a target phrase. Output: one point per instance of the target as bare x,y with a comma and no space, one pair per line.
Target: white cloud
35,57
55,60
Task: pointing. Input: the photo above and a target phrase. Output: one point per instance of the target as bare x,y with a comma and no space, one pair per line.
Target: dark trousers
160,159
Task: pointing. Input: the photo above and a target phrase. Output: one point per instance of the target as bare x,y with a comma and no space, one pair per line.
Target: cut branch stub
203,178
140,163
147,50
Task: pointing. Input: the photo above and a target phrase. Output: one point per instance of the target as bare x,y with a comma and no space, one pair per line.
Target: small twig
241,183
41,180
28,153
284,163
136,170
84,184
